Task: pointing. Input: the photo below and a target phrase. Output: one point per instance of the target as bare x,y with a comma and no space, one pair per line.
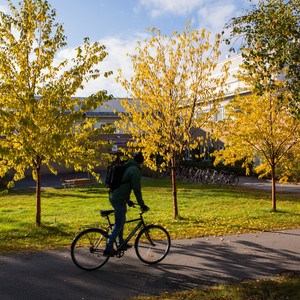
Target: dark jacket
131,181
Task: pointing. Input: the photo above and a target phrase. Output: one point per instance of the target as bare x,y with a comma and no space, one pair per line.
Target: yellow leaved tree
266,123
262,127
172,93
41,123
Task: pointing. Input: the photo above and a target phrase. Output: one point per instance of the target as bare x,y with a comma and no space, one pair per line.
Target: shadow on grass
28,237
82,193
237,191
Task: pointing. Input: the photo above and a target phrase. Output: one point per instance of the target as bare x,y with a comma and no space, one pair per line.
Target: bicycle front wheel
87,249
233,180
152,244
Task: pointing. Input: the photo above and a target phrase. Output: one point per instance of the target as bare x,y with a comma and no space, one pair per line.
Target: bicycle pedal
120,254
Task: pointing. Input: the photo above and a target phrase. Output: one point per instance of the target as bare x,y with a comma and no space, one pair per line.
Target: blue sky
119,24
122,19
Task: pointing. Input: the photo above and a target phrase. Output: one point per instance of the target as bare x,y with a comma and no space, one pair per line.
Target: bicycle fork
149,238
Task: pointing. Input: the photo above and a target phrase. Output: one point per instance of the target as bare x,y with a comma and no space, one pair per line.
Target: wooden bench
74,182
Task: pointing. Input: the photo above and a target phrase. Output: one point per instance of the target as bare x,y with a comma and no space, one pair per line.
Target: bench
74,182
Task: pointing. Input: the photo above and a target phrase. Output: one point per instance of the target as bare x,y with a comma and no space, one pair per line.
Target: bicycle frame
141,224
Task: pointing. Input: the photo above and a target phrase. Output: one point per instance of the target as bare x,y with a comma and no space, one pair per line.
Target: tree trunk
38,196
174,188
273,187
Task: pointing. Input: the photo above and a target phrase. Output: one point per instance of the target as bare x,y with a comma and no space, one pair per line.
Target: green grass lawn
204,210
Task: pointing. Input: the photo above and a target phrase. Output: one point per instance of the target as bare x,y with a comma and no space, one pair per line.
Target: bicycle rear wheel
87,249
152,244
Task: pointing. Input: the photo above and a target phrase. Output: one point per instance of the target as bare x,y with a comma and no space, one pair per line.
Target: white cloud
117,58
211,14
215,16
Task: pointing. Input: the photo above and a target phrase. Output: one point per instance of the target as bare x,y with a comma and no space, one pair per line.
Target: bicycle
228,178
233,179
152,243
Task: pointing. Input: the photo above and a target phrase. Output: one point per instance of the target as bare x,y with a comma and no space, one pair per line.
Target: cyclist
131,181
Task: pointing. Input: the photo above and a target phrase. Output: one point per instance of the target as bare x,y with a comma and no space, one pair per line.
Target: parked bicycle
205,176
229,178
152,243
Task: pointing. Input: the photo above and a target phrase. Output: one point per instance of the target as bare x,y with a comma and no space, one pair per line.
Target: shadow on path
190,263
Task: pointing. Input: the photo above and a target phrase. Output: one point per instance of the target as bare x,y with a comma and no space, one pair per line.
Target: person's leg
120,218
120,235
122,221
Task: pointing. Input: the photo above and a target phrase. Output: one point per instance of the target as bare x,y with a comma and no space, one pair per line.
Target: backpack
114,175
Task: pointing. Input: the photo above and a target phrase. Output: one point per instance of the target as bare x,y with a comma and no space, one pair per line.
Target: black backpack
114,175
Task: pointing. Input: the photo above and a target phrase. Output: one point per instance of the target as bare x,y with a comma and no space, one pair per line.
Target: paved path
191,263
266,184
251,182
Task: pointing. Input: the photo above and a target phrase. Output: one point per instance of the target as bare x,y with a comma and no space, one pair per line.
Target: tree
270,40
172,93
260,127
41,123
265,124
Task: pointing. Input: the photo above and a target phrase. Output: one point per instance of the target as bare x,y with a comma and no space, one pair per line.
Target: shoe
125,247
109,253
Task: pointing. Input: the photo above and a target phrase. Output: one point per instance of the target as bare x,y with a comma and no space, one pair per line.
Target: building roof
111,106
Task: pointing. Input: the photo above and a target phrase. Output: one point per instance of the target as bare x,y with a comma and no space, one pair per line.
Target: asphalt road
190,264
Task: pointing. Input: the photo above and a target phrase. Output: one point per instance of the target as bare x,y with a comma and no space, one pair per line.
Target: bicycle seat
105,213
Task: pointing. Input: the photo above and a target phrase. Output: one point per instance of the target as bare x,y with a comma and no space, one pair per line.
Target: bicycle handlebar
133,204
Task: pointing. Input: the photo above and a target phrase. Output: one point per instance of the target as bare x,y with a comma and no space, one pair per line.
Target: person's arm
136,186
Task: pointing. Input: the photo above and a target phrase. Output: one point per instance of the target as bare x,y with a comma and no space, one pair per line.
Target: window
220,115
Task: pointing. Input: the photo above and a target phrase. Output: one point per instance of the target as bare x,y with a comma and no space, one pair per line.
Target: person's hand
130,203
144,208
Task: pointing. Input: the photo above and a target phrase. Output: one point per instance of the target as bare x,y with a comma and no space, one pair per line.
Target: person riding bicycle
131,181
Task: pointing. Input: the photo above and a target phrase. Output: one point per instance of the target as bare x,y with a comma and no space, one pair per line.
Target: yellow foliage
262,127
169,92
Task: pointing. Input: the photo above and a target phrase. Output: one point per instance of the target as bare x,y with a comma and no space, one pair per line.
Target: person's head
138,157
